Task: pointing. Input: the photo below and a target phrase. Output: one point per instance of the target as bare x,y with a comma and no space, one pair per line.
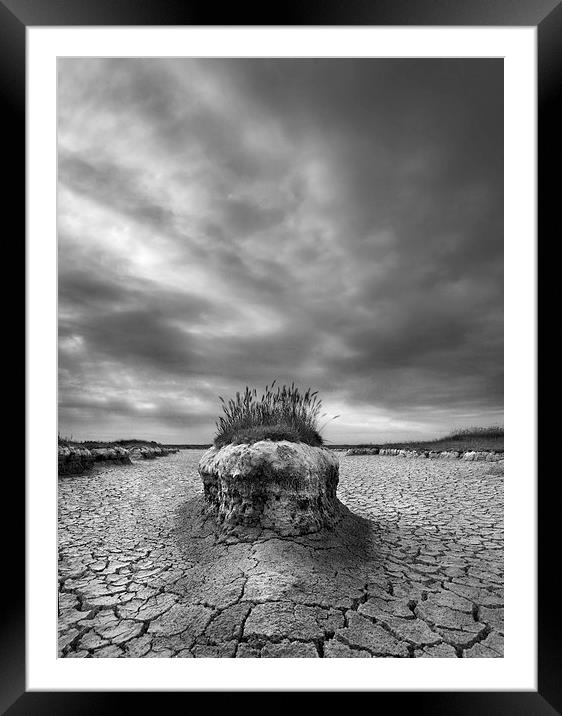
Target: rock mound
286,487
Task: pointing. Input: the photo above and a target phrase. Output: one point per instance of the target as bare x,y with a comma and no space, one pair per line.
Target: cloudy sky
338,223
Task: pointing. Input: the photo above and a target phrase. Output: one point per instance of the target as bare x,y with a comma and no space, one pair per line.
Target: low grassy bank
90,444
489,438
76,457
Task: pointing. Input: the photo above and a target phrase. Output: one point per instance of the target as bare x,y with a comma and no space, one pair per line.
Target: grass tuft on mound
282,414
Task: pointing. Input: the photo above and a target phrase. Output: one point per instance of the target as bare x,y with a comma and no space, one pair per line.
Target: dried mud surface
414,569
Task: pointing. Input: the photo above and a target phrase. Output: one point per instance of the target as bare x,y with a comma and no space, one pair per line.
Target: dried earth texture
415,569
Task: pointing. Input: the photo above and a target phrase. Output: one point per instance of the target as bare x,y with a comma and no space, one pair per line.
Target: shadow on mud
331,567
353,539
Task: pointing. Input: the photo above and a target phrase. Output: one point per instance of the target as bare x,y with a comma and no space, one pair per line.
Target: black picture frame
546,16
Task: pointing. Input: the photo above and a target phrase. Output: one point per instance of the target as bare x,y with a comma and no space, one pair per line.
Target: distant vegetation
493,432
66,441
294,416
282,414
473,438
188,446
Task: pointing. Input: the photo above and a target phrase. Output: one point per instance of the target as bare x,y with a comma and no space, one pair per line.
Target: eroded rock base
289,488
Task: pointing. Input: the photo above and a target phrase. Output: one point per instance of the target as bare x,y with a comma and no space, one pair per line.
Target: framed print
281,301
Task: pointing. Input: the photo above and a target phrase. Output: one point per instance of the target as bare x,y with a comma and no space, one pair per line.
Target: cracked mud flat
415,569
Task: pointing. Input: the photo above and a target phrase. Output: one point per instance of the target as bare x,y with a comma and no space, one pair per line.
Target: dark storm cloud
334,222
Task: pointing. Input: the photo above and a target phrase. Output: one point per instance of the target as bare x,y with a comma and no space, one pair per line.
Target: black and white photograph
280,357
